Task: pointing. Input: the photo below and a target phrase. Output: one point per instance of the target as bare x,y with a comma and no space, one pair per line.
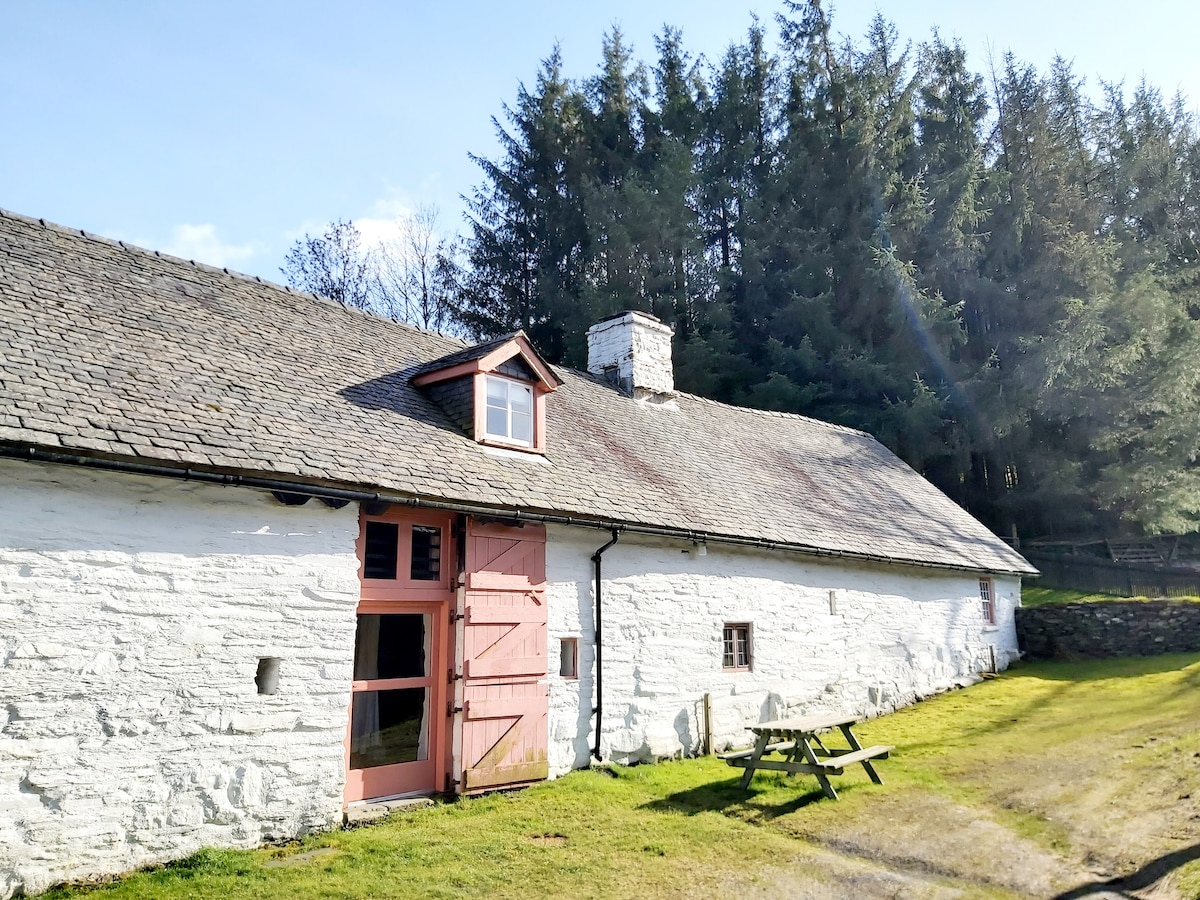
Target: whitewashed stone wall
897,634
133,612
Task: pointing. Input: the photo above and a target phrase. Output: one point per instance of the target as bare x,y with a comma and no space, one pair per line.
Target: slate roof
466,354
113,350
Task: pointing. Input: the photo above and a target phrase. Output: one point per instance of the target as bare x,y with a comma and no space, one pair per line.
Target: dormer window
509,411
495,391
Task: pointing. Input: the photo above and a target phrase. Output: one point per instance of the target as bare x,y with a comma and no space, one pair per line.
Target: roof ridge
776,414
219,270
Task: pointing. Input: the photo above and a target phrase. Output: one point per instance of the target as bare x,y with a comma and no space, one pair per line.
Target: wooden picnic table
804,752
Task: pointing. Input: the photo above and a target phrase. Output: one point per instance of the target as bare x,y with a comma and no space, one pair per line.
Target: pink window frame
736,626
987,599
539,414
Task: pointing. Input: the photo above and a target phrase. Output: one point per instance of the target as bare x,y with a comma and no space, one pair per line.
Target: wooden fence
1100,576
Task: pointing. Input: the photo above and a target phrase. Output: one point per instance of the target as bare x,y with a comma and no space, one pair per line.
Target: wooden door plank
500,709
496,581
512,557
496,776
499,668
505,615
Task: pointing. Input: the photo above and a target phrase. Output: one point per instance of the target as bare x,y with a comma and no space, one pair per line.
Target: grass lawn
1049,779
1042,596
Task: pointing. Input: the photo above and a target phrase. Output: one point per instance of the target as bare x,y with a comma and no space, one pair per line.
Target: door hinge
451,709
452,676
456,617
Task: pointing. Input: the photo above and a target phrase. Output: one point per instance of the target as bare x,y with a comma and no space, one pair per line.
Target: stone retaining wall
1118,628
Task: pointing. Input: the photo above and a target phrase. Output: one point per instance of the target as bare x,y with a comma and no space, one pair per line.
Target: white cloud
202,243
387,220
379,231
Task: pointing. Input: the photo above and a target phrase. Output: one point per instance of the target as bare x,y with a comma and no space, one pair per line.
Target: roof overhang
517,345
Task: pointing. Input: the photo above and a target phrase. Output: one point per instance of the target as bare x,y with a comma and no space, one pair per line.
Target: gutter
616,534
33,453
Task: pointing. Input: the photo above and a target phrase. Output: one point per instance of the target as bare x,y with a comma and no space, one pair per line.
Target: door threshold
368,812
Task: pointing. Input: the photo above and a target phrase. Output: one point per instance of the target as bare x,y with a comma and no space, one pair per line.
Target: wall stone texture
1110,628
896,634
640,347
133,613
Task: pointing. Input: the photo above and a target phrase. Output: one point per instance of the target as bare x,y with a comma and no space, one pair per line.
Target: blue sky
222,131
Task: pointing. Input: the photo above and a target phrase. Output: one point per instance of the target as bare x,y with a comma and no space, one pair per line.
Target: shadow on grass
1068,676
1153,871
728,797
1103,669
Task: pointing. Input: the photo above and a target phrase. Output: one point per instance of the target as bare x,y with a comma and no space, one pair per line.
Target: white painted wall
133,612
639,345
898,634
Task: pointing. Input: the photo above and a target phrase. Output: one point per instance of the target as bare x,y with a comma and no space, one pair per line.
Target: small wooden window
381,551
988,599
568,658
736,646
509,411
426,553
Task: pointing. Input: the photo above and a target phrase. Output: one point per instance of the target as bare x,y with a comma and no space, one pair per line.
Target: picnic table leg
759,747
855,745
811,759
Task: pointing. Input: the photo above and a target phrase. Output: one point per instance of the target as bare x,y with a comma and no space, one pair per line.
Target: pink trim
404,595
539,420
467,368
481,408
539,416
518,346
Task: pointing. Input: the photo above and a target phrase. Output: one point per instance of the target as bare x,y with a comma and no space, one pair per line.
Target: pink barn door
505,701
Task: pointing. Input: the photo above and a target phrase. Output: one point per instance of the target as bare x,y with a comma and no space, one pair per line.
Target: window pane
522,428
426,553
379,556
391,646
727,654
389,727
568,658
521,399
497,392
497,422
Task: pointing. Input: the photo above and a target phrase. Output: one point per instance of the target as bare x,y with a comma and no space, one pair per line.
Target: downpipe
599,668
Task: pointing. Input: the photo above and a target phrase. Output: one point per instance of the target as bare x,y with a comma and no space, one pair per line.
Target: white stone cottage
262,557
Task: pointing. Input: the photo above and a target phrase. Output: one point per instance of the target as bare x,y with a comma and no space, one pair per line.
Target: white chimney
633,349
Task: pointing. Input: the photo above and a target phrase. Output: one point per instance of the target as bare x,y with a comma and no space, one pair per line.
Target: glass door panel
392,698
389,727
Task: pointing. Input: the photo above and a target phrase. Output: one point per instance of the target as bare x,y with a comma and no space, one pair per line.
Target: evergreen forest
991,268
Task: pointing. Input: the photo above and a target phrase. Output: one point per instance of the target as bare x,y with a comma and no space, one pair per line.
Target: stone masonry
135,611
889,636
638,347
1116,628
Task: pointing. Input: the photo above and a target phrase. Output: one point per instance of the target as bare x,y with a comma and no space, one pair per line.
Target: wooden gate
505,700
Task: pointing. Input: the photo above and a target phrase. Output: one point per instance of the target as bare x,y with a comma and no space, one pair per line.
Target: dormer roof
487,357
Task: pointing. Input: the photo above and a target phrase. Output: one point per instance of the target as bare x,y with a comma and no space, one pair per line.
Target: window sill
526,455
497,444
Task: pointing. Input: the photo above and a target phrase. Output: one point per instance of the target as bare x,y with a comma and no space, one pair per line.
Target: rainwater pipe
616,534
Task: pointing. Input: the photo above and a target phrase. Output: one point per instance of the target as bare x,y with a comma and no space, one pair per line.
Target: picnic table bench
804,752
